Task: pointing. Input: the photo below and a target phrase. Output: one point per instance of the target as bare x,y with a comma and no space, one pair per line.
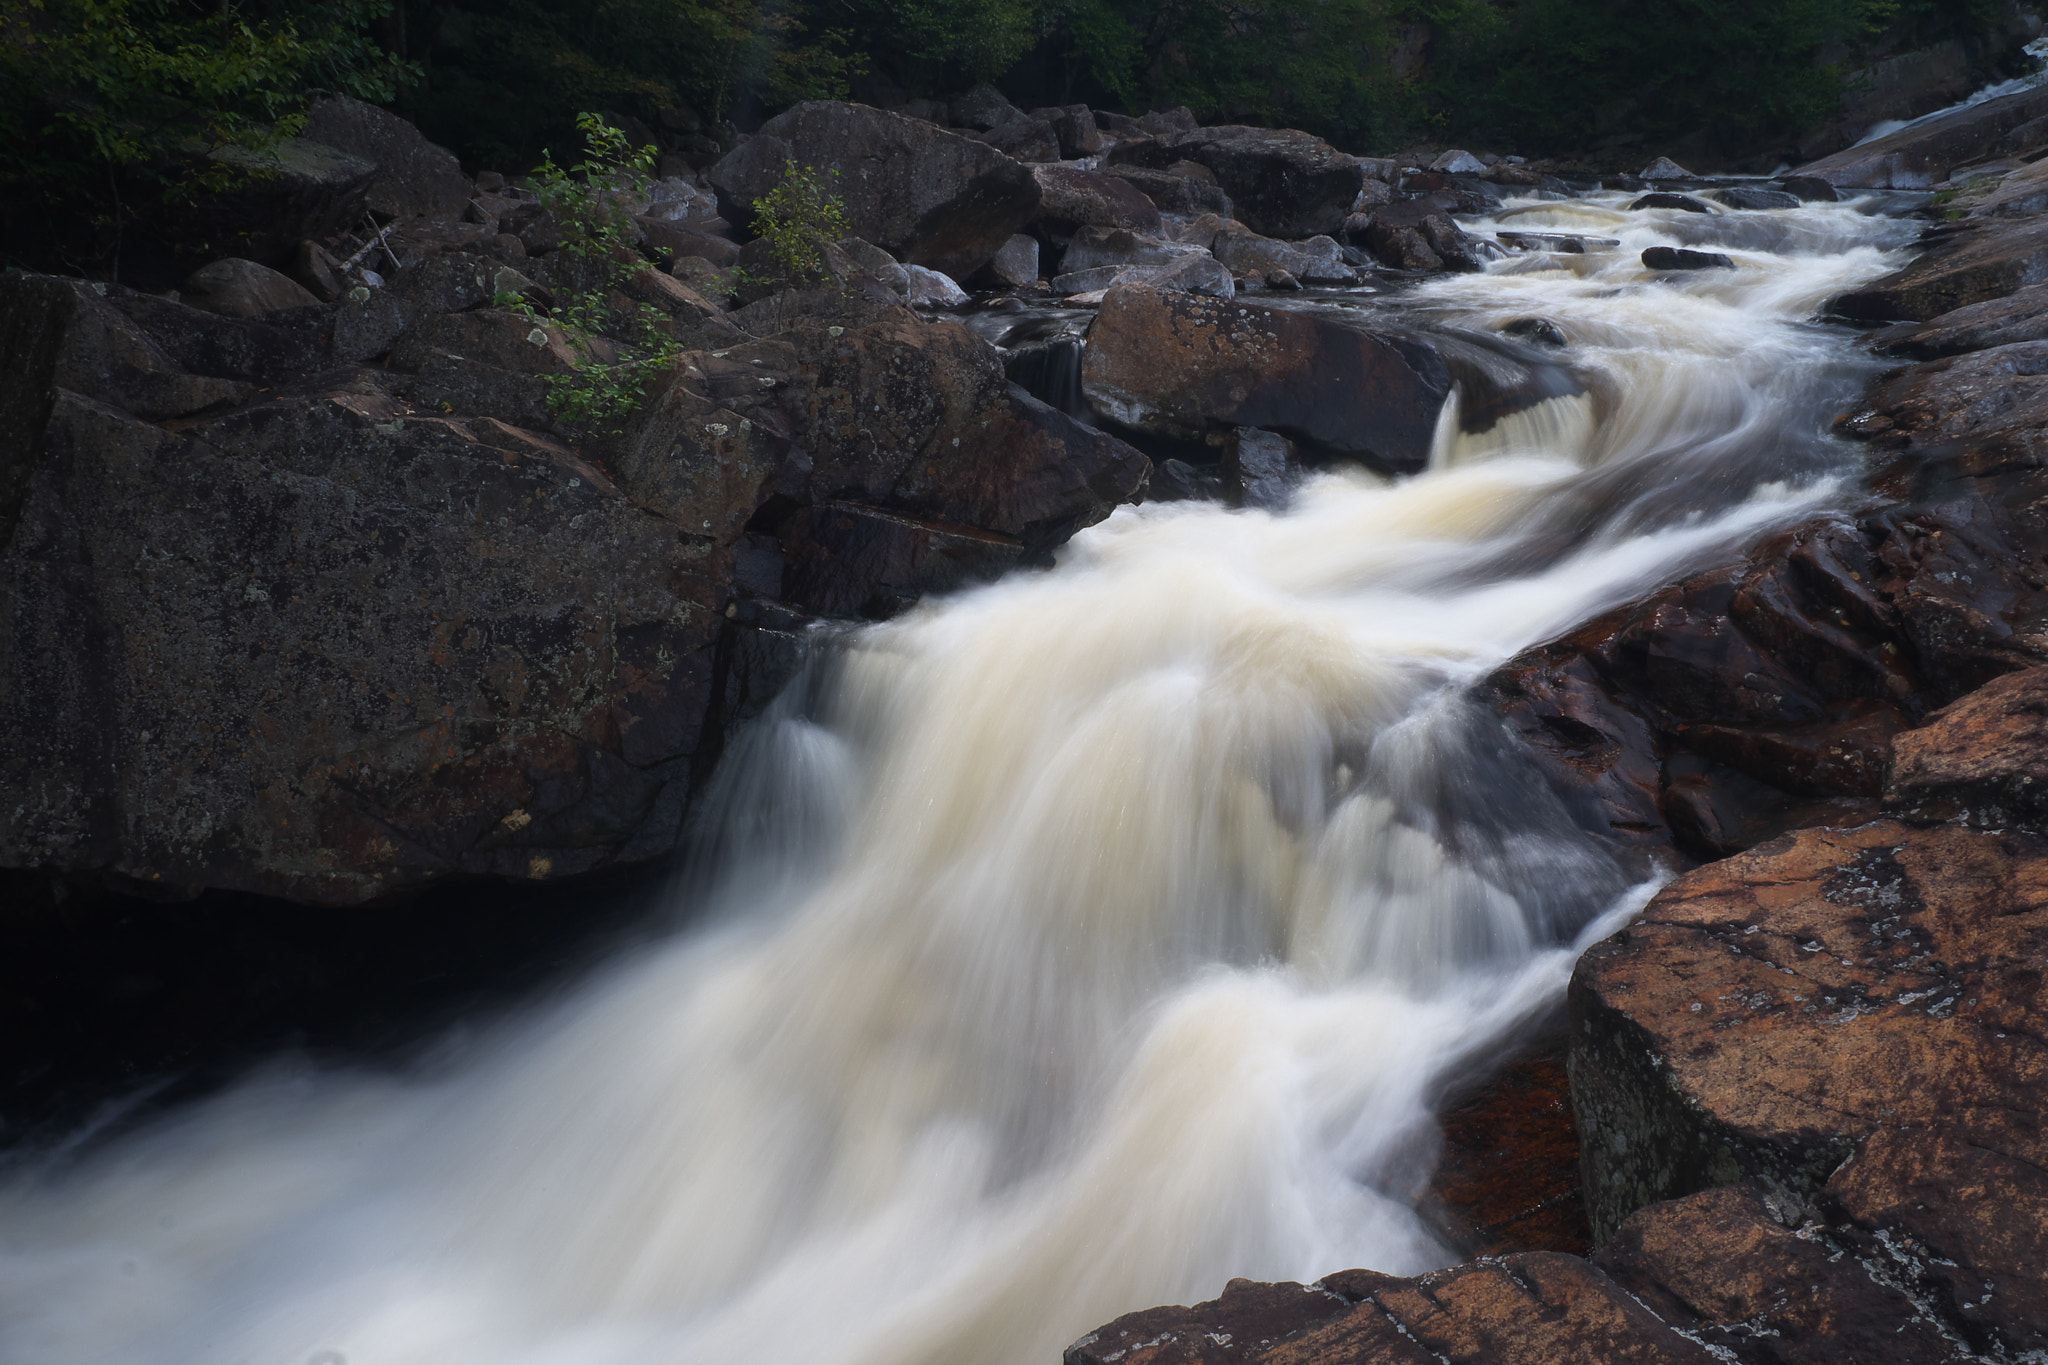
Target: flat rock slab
1923,155
2003,321
1981,262
1712,1278
1855,1018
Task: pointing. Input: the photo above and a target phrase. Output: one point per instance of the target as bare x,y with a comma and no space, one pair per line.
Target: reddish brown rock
1854,1018
1507,1177
1983,760
1714,1277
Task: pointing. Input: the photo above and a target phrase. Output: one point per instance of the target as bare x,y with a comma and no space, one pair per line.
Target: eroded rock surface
1855,1018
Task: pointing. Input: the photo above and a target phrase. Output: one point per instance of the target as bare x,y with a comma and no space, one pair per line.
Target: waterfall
1084,940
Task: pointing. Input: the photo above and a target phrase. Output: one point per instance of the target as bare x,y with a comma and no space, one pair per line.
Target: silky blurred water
1081,942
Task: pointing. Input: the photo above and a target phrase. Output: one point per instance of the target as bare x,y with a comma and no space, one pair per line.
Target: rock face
1712,1278
1283,182
1174,364
2019,316
1923,155
930,197
1978,263
1855,1018
286,623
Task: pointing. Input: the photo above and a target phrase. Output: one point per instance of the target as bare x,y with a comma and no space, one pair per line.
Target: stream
1078,943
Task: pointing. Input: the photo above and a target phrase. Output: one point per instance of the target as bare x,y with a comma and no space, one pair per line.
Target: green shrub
796,219
593,201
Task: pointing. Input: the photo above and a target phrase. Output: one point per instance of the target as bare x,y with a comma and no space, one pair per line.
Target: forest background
101,99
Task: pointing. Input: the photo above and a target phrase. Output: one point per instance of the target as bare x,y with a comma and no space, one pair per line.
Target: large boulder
413,175
1071,198
1855,1018
927,196
1283,182
275,197
1925,153
243,289
330,647
1176,364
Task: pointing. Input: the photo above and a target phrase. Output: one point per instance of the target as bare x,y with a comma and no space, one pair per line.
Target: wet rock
1809,189
1174,364
1540,330
845,560
929,289
1176,193
1071,199
1282,182
1179,481
1259,469
1706,716
1754,198
1982,761
929,197
1983,262
1713,1277
1416,236
2003,321
1721,1267
1852,1017
1993,400
1664,168
413,175
1927,153
1556,241
1679,258
1507,1175
1663,200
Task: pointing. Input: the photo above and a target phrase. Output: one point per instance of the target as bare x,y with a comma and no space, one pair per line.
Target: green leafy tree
105,104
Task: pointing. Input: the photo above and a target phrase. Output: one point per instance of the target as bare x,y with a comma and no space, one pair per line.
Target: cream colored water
1103,937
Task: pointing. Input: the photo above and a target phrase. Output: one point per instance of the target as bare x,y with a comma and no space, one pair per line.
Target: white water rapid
1084,941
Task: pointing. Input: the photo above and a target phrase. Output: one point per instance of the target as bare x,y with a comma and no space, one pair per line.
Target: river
1081,941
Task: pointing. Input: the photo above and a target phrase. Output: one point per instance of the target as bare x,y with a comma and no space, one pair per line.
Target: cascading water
1085,940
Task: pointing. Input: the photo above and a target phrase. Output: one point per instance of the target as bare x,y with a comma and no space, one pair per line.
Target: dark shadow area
115,1004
